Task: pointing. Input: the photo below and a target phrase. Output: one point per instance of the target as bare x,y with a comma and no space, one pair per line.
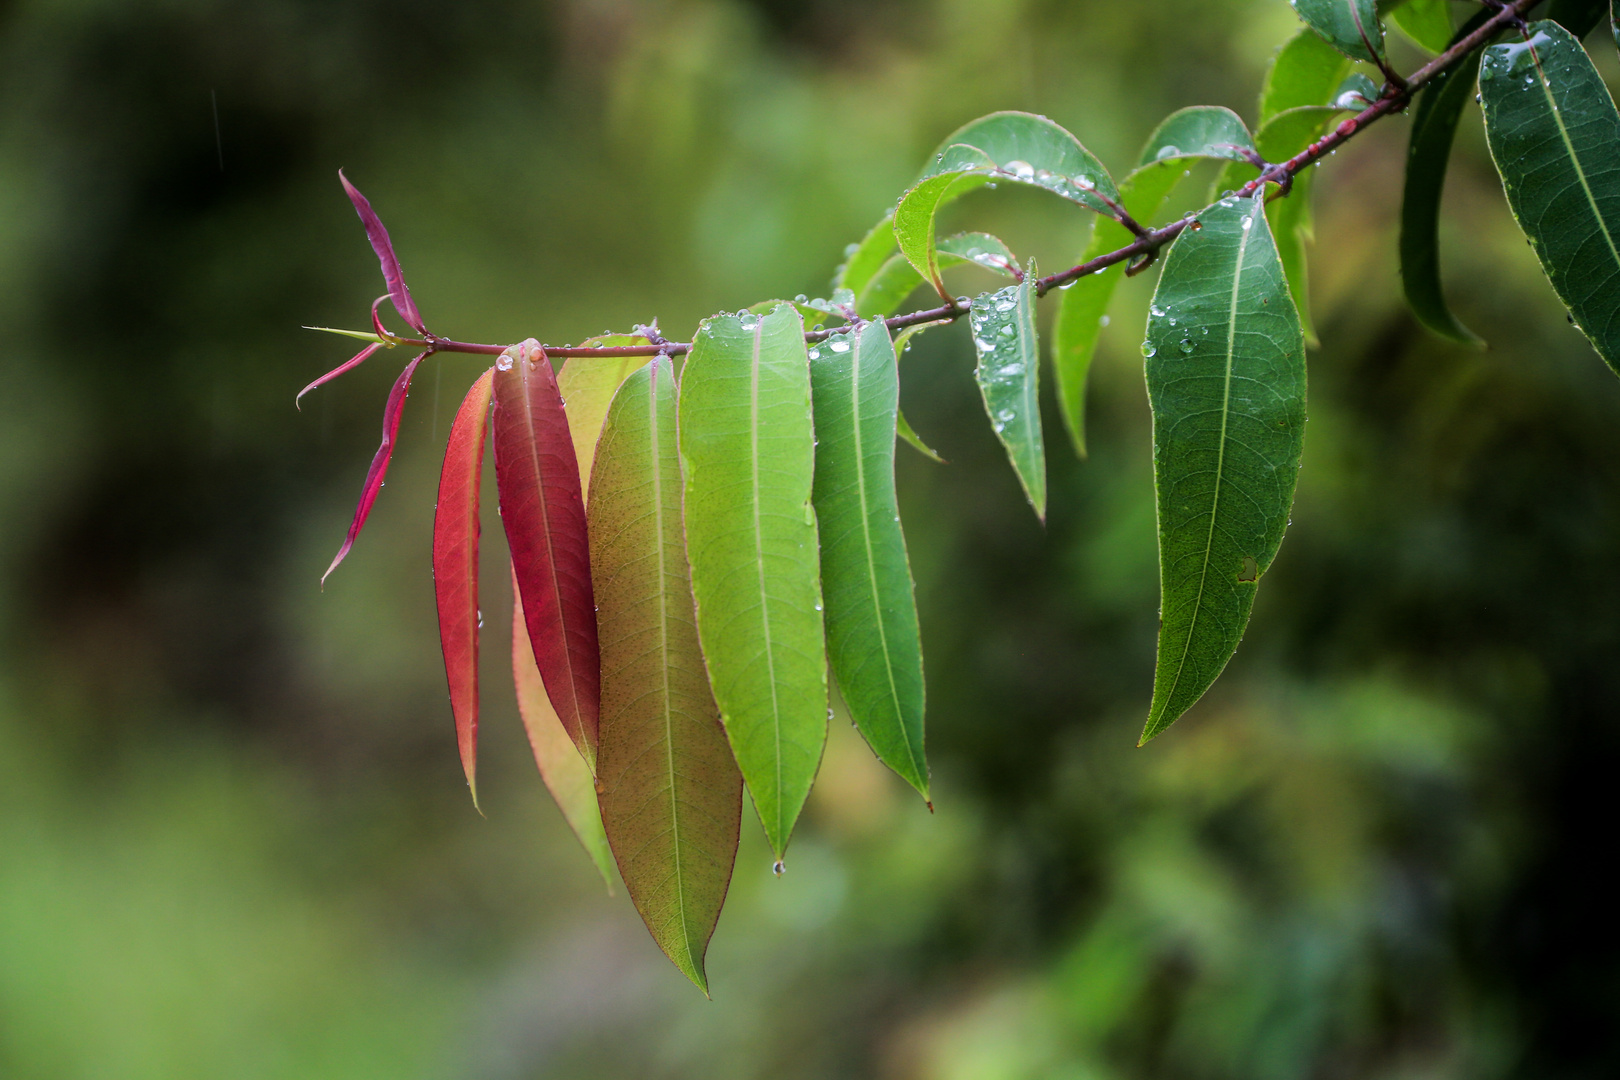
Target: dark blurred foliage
234,839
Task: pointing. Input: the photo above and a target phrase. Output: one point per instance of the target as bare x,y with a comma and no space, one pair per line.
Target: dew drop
1167,152
480,618
1186,346
777,867
1148,349
1196,225
838,346
505,362
815,354
1103,321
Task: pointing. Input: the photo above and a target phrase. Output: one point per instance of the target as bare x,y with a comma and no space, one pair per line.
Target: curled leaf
348,365
398,291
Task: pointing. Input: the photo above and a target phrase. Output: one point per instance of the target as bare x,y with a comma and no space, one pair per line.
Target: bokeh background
234,837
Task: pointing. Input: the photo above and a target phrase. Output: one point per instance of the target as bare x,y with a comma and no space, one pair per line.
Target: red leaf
349,365
455,567
538,479
379,464
384,247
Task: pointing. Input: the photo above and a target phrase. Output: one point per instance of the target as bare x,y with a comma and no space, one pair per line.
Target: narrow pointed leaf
890,286
1351,26
398,291
864,259
872,636
1427,22
561,767
378,472
1555,137
747,455
1008,374
1428,153
1226,379
348,365
544,517
912,439
587,385
671,795
1305,72
455,566
1198,132
1008,147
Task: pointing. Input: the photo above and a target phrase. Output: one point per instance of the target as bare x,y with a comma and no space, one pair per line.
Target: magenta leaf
349,365
384,247
379,464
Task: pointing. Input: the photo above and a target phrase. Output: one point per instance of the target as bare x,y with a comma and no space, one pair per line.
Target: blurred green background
235,841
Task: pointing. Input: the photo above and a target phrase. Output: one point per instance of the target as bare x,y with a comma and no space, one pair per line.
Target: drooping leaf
1351,26
455,566
1198,132
1427,22
398,291
392,411
1555,137
561,768
872,636
671,795
1008,374
1434,124
890,286
1304,72
748,455
864,259
587,385
1226,379
347,366
904,430
544,517
1008,147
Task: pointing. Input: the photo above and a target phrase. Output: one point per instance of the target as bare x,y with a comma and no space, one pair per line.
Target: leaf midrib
1220,460
1563,134
759,564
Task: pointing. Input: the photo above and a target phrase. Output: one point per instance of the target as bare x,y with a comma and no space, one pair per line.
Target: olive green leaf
1351,26
1198,132
1226,380
1008,374
872,636
890,286
670,793
1304,72
747,448
1555,137
587,386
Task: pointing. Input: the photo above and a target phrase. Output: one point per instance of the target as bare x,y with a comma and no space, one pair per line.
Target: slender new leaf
1351,26
1197,132
890,286
1427,22
747,449
398,291
1226,379
565,773
455,566
671,795
347,366
544,516
1304,72
872,636
1428,153
1555,137
904,430
378,472
1011,147
1008,374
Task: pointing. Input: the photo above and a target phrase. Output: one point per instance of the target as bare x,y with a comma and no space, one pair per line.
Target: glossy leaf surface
1555,136
1198,132
1427,22
455,566
544,517
1305,72
1428,154
1226,380
1008,374
671,796
561,766
872,636
1008,147
378,471
889,287
1351,26
747,450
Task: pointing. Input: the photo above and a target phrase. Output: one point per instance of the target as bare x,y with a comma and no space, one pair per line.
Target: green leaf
1427,22
1009,147
872,636
748,455
1226,379
1351,26
912,439
671,796
890,286
1203,131
1434,125
1305,72
587,385
1008,374
1555,137
864,259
